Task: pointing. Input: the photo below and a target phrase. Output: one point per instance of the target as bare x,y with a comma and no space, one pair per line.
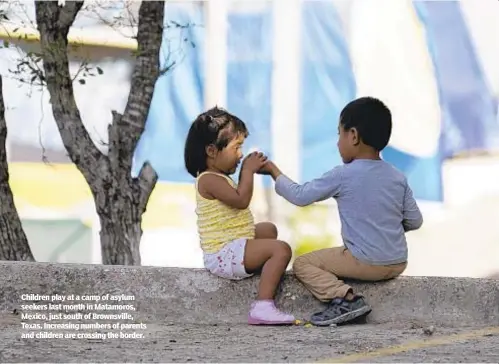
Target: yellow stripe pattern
218,223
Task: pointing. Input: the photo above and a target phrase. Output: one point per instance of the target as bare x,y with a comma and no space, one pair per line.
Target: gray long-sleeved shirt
375,203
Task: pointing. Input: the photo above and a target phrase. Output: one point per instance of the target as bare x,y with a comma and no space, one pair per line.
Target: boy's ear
355,136
211,151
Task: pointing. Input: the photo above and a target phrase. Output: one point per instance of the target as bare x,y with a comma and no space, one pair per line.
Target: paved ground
222,343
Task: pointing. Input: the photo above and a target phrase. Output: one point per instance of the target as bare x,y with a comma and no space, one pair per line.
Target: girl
234,247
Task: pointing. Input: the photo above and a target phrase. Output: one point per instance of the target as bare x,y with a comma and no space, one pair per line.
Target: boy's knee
299,263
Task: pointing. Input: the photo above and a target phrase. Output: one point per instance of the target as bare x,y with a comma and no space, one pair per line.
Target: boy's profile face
347,143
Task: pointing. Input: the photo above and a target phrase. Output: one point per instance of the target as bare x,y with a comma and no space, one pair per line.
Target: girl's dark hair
372,119
215,126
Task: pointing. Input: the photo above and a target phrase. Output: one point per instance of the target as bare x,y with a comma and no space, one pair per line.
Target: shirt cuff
282,184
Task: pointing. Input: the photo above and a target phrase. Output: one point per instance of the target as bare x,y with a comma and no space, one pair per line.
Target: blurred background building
287,68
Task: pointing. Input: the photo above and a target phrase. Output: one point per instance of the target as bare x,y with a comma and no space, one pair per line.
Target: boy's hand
266,168
254,162
269,168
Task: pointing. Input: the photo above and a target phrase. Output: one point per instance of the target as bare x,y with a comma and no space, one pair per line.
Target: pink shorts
228,262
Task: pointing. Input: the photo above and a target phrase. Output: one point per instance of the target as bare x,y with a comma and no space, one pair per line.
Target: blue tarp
327,84
468,106
249,75
178,96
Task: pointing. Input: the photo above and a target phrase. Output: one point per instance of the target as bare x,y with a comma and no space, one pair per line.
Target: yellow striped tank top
218,223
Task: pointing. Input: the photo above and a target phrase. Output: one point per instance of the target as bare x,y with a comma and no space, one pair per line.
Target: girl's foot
264,312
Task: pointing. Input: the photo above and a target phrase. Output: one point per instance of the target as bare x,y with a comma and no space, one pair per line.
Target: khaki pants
319,272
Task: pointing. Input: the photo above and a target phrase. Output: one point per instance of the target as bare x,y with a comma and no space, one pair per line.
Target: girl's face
227,160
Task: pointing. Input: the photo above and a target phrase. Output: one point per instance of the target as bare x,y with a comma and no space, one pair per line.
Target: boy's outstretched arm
413,219
319,189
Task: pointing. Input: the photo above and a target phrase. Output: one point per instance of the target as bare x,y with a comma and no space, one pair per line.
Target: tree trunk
120,208
120,232
13,242
120,200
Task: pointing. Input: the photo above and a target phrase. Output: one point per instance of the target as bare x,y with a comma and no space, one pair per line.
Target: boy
376,208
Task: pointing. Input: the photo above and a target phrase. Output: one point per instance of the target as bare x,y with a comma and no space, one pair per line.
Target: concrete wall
183,296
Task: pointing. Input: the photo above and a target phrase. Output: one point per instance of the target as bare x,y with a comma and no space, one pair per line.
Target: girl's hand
254,162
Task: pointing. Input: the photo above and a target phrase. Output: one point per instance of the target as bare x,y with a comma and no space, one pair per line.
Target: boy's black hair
372,119
215,126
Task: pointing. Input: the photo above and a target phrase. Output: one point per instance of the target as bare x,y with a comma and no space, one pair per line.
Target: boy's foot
340,311
264,312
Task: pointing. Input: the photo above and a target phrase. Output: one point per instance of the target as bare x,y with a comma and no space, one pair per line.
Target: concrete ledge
178,295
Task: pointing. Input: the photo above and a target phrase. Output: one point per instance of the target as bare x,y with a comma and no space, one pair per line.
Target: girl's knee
266,230
272,229
283,250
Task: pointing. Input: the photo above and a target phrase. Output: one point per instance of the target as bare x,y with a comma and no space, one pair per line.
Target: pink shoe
264,312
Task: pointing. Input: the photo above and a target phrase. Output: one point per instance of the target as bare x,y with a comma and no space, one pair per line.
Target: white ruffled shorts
228,262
